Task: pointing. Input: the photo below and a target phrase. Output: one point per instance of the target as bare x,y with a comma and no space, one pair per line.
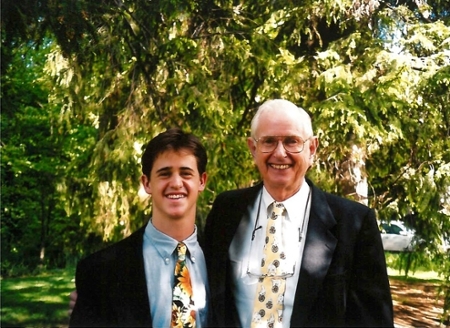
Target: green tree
36,158
29,158
374,74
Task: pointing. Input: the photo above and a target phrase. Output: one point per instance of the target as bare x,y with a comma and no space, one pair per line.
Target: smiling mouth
175,196
280,166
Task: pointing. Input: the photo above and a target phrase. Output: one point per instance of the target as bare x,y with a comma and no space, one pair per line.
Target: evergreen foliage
85,84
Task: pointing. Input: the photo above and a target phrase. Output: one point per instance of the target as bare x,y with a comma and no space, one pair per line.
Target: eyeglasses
282,275
292,144
254,269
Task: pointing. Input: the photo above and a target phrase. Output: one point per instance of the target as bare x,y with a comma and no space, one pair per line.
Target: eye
269,141
187,174
291,141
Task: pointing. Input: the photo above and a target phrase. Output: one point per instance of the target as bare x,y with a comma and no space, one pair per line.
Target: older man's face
282,172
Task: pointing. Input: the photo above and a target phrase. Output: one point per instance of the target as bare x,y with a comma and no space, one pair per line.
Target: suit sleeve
87,311
369,297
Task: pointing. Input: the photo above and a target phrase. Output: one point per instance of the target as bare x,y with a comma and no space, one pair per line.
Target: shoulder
115,252
227,211
335,201
344,203
238,194
344,211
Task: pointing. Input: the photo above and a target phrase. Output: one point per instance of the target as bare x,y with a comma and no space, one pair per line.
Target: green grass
430,276
38,301
419,268
43,300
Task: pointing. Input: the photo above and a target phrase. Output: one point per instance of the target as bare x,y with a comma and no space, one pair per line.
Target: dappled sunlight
416,303
36,301
43,301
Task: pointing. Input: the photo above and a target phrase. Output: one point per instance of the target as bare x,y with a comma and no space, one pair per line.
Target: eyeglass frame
282,142
266,275
256,227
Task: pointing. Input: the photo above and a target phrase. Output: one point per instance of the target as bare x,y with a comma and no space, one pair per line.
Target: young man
332,270
142,280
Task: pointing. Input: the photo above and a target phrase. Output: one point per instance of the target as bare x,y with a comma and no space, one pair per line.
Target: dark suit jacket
343,279
111,286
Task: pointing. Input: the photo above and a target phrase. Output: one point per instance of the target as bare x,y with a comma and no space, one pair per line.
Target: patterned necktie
269,300
183,312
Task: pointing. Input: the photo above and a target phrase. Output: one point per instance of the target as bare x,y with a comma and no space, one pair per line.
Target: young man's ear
203,179
146,184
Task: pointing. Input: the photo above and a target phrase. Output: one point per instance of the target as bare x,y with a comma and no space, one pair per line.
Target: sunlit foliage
374,74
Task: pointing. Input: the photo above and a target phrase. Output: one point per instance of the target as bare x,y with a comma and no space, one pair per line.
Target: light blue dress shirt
159,261
245,255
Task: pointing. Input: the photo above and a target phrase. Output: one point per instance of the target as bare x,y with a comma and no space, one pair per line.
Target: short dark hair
173,139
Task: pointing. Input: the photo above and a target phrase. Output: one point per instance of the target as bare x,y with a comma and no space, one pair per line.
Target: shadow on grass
416,301
40,301
415,279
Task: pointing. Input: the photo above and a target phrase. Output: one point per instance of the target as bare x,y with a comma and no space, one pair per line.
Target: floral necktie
269,300
183,312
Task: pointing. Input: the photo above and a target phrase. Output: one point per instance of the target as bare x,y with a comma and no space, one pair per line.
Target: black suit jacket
343,279
111,287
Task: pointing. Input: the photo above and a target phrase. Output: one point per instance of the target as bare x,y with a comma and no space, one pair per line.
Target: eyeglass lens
292,144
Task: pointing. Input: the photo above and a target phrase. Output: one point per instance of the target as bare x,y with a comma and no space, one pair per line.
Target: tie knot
277,210
181,251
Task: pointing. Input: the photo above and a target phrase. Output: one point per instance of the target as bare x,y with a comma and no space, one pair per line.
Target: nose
280,151
177,181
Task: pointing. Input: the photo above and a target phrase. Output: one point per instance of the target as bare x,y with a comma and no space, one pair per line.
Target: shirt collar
295,205
166,245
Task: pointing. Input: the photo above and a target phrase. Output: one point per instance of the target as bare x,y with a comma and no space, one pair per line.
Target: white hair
282,104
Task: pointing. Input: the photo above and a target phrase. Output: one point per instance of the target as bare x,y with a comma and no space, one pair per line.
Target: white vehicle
396,237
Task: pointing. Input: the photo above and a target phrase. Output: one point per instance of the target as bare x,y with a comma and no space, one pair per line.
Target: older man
286,254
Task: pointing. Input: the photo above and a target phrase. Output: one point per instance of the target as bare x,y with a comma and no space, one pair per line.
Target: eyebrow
169,168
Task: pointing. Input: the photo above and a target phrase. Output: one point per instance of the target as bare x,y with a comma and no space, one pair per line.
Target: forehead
182,158
280,122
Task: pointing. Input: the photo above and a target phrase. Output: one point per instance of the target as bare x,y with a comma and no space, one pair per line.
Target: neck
280,194
178,229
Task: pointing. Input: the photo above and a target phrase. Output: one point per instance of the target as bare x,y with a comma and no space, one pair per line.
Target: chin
178,213
280,179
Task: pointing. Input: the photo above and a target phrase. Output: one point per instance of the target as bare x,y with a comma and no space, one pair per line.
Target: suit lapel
317,255
319,247
221,228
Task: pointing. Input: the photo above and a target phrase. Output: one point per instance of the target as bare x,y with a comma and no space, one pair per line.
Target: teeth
280,167
175,196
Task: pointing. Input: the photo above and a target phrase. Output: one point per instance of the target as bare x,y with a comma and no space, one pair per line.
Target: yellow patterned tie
183,312
269,300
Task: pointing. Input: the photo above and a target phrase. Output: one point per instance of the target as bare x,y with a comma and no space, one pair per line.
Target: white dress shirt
160,257
245,255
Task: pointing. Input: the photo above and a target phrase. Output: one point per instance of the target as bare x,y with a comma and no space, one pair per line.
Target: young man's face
174,184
